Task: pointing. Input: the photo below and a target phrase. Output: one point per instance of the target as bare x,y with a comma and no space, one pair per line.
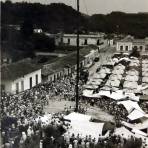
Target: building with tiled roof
20,76
128,43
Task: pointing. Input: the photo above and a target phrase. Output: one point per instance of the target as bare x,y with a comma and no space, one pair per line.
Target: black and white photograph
74,74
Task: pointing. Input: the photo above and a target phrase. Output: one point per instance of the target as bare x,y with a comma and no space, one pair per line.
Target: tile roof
17,70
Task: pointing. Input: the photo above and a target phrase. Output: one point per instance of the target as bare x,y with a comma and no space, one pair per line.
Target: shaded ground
58,106
99,114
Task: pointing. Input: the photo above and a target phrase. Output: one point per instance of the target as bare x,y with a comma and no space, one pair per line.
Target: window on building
68,41
30,80
17,87
22,85
36,78
85,42
54,77
135,47
126,48
141,47
121,48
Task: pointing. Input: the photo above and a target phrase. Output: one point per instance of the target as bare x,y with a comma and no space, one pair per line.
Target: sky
101,6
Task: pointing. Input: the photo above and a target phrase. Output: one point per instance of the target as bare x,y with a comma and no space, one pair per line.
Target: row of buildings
84,39
124,45
23,75
129,43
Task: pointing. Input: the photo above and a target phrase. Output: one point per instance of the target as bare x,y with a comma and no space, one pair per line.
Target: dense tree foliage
57,17
119,22
52,17
21,45
42,42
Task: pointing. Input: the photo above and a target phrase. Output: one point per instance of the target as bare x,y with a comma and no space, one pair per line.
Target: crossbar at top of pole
77,77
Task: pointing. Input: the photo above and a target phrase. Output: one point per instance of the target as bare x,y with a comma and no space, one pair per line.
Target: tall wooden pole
77,78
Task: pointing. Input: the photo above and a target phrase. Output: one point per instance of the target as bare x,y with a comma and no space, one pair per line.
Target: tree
27,28
43,42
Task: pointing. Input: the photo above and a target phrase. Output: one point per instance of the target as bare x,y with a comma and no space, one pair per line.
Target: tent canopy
78,117
130,105
81,125
135,114
87,92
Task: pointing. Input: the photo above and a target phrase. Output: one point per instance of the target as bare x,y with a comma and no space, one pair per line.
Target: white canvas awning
134,64
125,59
130,105
145,92
145,73
132,72
145,79
113,95
123,132
130,85
139,126
131,78
112,83
80,124
78,117
139,132
117,72
115,76
145,61
87,92
100,75
136,114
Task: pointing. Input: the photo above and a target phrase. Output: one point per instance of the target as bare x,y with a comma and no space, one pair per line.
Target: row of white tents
145,71
130,103
82,125
134,62
114,80
97,79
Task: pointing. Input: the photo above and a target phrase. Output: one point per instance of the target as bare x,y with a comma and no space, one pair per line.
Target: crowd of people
77,141
109,105
64,87
144,106
18,112
21,129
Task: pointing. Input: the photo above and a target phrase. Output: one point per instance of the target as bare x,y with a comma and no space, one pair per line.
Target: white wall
7,85
124,44
73,41
10,86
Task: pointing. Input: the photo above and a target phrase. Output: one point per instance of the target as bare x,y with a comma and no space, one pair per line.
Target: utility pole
77,77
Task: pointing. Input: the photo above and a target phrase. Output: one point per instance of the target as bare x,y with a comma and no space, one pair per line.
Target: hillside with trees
58,17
